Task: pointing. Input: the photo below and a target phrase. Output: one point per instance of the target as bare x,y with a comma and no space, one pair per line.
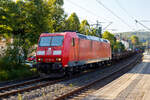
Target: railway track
13,89
72,95
6,83
26,86
37,84
20,84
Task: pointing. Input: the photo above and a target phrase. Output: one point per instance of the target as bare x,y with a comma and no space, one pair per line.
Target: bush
11,71
20,73
3,75
12,64
4,64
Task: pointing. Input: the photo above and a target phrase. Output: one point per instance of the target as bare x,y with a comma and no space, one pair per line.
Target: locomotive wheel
69,72
110,62
99,64
62,71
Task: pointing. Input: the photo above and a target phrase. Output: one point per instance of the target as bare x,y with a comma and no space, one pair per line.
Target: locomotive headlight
58,59
40,59
40,52
57,52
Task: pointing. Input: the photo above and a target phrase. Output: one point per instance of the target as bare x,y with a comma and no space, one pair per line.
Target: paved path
134,85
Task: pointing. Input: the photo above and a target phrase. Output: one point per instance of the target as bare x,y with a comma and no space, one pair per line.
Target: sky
125,12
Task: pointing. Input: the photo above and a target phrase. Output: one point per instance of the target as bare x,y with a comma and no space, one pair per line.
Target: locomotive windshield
51,41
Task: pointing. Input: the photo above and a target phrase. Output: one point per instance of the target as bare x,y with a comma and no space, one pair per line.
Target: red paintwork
82,50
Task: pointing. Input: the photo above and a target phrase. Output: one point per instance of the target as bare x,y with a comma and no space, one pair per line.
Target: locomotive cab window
45,41
51,41
73,42
57,40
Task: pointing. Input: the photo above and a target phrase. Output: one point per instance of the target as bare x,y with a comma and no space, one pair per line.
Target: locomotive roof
92,38
47,34
82,36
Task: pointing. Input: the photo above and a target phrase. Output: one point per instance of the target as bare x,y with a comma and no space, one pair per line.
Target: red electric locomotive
70,50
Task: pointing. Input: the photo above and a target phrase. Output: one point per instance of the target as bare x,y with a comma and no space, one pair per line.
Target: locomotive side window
51,41
73,41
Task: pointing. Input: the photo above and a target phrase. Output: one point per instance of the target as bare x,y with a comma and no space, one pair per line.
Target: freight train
66,52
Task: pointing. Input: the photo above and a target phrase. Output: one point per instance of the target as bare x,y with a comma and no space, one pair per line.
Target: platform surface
134,85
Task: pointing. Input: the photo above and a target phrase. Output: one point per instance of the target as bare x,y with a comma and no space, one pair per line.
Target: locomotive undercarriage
49,68
77,69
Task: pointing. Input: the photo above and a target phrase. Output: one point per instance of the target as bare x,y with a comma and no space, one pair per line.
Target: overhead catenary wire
88,11
132,16
142,24
99,2
144,20
118,3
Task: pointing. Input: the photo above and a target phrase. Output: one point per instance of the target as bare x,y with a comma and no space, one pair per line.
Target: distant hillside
143,36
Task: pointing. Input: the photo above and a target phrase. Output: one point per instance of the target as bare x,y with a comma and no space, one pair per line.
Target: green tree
134,40
72,23
93,32
107,35
56,15
122,46
31,17
36,19
13,22
25,20
84,27
118,47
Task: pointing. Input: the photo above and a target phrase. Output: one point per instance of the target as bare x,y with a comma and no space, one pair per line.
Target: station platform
134,85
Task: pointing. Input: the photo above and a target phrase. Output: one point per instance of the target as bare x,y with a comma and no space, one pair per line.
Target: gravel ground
53,91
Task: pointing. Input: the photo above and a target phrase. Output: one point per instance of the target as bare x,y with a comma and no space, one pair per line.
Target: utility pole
98,27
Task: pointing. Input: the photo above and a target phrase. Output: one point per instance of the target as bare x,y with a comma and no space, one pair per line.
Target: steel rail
92,83
28,88
23,83
31,87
